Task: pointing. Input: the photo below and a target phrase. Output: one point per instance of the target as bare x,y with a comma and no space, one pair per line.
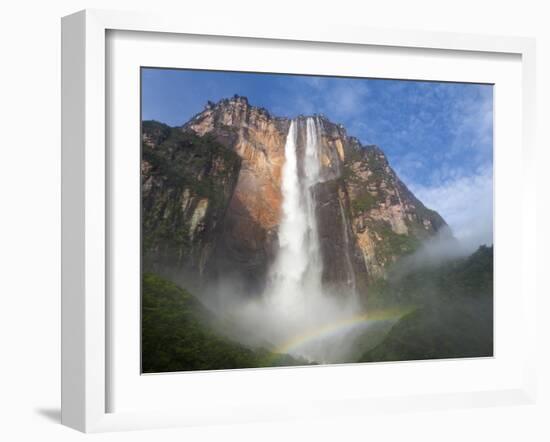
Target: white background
258,389
30,219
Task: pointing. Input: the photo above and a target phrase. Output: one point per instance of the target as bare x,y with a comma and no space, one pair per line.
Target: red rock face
251,221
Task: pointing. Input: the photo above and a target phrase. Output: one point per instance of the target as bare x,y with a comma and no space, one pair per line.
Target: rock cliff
187,183
211,195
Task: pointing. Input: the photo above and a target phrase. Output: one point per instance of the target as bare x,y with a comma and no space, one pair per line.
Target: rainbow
338,326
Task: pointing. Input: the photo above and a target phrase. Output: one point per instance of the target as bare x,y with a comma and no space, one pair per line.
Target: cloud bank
466,203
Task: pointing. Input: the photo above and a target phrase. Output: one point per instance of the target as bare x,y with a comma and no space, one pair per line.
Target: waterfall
297,269
295,314
345,228
312,169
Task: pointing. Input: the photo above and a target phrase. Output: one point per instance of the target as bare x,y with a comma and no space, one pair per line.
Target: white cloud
346,100
471,119
340,100
466,203
408,165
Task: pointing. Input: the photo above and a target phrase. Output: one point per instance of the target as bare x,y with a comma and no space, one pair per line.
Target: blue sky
437,136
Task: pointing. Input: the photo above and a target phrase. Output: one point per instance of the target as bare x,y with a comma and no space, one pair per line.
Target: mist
466,203
317,327
434,251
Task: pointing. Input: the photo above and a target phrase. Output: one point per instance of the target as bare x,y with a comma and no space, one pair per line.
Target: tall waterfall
295,314
298,267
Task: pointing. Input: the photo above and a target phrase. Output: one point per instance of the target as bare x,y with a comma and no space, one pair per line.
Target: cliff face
387,220
367,218
249,239
187,183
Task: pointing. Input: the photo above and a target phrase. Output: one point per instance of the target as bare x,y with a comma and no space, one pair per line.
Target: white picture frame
85,202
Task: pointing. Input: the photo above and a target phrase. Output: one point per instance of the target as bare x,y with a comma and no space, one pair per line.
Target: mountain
211,200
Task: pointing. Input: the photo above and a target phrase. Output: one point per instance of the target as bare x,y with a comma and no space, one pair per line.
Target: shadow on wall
51,414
